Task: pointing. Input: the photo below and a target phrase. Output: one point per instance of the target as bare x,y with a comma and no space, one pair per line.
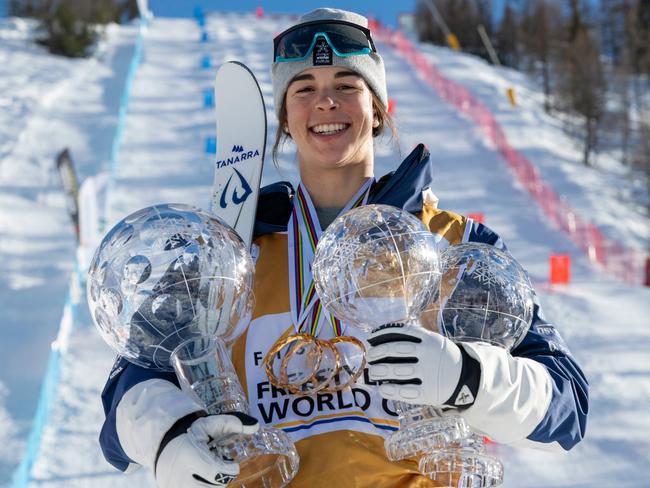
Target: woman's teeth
328,129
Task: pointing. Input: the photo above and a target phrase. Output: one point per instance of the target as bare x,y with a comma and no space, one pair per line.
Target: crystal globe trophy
376,265
484,296
170,288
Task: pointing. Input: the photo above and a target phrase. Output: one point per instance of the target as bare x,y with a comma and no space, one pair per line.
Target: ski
241,143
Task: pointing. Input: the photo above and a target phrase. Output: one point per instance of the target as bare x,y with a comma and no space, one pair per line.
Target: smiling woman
330,117
344,82
331,99
329,88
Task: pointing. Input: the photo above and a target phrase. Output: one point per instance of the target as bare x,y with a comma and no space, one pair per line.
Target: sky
386,11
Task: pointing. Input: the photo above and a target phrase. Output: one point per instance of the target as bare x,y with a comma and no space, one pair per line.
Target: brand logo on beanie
322,52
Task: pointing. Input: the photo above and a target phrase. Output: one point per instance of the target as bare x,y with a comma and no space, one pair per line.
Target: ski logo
223,479
464,397
238,154
322,53
235,197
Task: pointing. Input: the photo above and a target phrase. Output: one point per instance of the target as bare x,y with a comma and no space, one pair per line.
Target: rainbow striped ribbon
303,234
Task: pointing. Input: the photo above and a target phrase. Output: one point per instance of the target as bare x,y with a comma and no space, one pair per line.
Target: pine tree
507,38
582,83
66,33
69,27
538,39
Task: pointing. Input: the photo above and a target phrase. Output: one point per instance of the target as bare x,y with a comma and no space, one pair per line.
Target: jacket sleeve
566,418
563,423
123,377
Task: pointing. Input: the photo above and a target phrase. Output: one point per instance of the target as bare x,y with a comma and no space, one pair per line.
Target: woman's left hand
417,366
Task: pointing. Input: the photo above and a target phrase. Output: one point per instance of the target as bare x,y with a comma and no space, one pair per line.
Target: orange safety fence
625,263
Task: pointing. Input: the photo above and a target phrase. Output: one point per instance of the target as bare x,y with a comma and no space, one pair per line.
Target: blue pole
211,145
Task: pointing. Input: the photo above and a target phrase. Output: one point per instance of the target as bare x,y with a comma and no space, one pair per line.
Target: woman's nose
327,102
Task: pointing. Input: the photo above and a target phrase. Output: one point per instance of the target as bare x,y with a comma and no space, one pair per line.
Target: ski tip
239,64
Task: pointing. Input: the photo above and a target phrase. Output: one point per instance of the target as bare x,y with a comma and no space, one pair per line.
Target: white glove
187,462
417,366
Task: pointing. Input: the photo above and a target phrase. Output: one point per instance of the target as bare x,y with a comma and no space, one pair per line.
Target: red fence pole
478,216
559,269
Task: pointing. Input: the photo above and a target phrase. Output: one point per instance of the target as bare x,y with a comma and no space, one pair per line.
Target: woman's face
330,118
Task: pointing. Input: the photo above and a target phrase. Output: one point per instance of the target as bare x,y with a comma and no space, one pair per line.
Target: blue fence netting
124,103
22,474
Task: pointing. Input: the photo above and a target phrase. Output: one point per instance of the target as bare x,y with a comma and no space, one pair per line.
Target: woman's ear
285,129
375,119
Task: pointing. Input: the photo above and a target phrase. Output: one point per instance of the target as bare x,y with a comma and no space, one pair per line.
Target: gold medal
308,365
300,354
329,365
353,361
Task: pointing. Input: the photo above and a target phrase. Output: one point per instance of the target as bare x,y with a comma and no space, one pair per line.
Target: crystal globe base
463,467
423,430
266,459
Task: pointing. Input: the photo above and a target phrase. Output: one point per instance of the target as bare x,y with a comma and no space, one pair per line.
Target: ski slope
46,104
162,159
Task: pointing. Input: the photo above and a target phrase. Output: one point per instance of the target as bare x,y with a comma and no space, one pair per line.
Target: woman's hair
384,118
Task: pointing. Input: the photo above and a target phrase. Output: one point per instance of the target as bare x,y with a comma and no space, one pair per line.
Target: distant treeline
592,62
70,27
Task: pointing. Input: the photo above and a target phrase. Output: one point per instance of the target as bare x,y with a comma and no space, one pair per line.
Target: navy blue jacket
565,421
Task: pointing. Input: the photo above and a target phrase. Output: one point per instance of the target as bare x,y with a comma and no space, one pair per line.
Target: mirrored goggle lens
345,39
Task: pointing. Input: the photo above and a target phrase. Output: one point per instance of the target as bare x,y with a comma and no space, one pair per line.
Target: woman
330,97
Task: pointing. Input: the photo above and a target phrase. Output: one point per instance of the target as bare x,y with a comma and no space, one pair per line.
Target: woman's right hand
186,460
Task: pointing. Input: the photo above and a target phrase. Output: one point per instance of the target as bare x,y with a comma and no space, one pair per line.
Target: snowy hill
48,103
541,138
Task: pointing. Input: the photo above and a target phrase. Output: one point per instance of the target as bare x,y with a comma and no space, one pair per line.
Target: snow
10,442
49,103
618,194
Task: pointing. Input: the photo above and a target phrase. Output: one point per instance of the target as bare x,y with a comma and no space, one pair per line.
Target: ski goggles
345,39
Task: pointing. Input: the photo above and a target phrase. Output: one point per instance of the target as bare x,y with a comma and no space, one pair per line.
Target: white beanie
369,66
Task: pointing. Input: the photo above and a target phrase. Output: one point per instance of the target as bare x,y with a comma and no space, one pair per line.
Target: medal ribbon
303,234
